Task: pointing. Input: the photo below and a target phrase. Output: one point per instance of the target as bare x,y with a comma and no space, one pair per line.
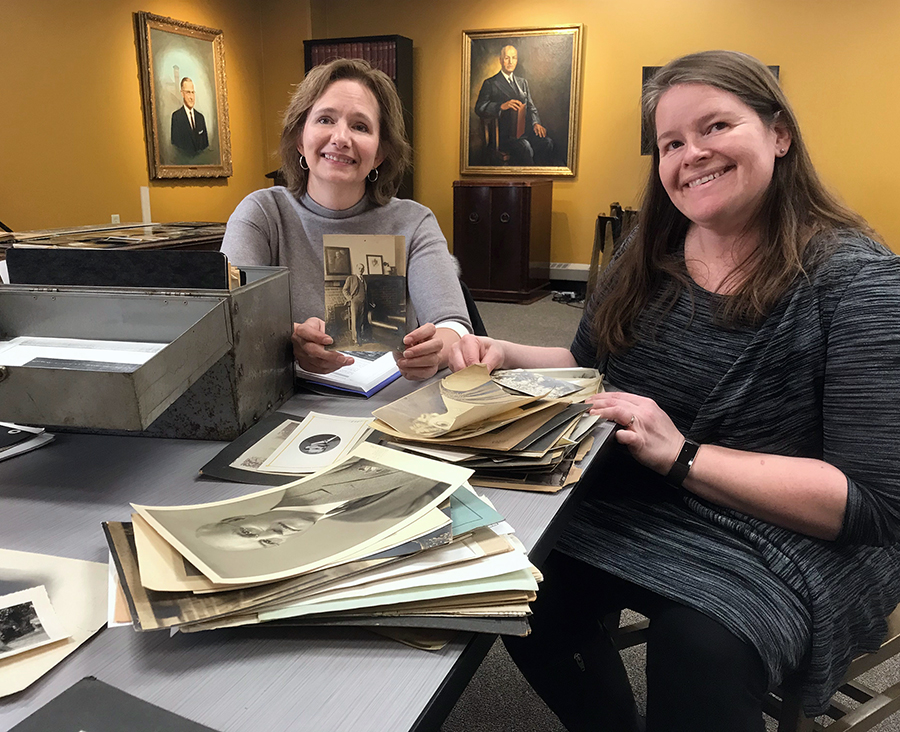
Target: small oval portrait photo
319,444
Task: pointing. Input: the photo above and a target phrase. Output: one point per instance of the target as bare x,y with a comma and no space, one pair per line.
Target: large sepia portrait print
184,98
520,101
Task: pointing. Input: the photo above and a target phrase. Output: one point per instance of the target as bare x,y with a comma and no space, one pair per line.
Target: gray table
53,500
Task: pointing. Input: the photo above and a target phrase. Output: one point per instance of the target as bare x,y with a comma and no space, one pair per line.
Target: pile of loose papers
517,429
383,539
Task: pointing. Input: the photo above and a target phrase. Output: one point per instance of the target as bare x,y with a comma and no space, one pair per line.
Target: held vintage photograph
520,101
182,69
366,303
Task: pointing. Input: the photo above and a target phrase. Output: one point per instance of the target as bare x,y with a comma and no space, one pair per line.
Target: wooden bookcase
391,54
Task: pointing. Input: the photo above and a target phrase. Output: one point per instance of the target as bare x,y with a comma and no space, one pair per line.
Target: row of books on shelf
381,54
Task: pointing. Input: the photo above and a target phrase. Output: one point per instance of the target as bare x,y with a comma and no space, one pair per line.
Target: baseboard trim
569,271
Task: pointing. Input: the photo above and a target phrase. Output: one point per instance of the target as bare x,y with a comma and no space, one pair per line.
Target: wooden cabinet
501,237
391,54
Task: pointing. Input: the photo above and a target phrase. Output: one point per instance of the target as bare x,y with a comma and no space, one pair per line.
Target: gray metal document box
225,364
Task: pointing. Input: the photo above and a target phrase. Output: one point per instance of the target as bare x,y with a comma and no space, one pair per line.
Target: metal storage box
226,362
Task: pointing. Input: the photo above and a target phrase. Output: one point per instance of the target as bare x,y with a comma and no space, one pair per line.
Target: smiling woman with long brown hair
749,329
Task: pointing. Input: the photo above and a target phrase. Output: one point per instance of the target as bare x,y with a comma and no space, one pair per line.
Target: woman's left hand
648,432
421,357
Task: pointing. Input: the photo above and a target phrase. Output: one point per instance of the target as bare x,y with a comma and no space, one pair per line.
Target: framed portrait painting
182,69
374,264
521,93
337,262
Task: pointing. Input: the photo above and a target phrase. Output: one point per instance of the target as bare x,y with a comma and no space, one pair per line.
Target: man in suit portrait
188,126
355,295
357,490
506,97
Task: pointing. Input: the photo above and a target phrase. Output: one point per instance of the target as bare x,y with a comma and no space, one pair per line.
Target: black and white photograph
77,591
319,444
27,621
365,307
318,441
283,532
529,382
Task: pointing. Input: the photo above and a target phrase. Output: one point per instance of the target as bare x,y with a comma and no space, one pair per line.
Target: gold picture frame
545,78
184,97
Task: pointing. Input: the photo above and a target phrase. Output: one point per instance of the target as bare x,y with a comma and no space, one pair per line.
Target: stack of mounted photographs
516,429
383,539
282,447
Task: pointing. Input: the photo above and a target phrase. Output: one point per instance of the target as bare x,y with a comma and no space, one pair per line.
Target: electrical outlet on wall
115,219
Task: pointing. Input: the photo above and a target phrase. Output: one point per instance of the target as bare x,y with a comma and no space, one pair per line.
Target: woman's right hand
309,340
472,349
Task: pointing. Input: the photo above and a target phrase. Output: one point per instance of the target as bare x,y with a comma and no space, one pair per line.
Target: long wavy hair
796,210
393,144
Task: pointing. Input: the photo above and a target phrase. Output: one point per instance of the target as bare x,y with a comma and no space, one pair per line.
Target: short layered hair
393,145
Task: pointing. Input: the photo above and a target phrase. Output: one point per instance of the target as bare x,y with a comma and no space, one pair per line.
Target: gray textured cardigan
820,377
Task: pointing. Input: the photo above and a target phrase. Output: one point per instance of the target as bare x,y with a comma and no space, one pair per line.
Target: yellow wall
72,137
71,127
840,65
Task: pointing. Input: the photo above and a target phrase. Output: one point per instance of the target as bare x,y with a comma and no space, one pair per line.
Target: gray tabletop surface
53,500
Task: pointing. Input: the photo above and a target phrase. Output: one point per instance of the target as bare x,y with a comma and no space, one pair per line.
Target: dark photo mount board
171,270
220,466
94,706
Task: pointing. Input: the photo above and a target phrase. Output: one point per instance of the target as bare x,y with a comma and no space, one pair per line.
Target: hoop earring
369,176
303,164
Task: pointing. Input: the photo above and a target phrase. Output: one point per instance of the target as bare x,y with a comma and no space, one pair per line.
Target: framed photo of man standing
520,101
184,98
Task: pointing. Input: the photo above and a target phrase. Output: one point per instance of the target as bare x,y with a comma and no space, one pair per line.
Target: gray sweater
818,378
270,227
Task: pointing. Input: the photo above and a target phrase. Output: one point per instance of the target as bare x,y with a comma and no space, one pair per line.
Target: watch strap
682,465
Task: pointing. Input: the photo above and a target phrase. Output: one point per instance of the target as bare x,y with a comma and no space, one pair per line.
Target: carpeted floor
543,323
498,697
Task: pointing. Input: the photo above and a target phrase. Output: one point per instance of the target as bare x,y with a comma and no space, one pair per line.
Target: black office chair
474,316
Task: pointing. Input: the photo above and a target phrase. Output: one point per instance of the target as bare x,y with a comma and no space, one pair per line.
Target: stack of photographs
517,429
383,539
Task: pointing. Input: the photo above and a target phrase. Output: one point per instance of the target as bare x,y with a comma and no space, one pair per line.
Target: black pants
700,677
529,150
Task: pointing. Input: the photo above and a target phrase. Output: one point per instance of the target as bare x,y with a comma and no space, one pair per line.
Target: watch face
319,443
